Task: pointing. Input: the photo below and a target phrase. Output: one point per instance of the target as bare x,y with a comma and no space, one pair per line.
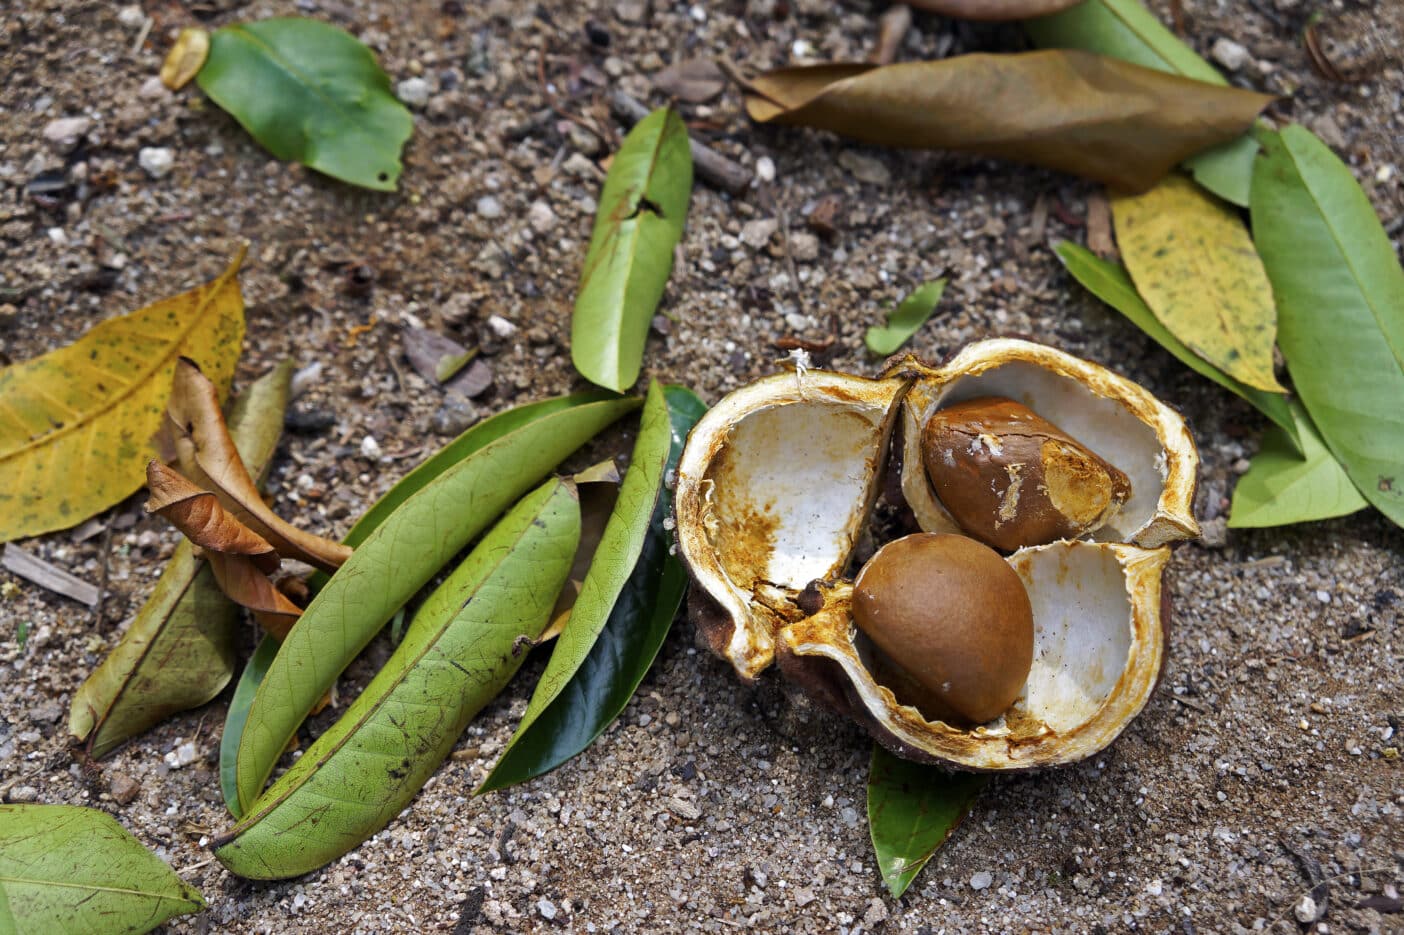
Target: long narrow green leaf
1283,487
639,222
461,649
617,662
237,717
1110,283
1340,306
1125,29
393,562
903,321
615,558
70,869
912,810
178,652
310,92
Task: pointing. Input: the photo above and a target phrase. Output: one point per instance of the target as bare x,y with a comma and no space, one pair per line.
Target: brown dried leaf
201,518
992,10
244,584
694,81
1069,110
208,457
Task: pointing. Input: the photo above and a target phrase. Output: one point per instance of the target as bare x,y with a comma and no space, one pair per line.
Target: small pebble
124,788
64,134
154,89
546,908
454,417
156,161
413,91
1229,54
865,168
756,234
981,880
501,326
131,16
182,756
1305,910
370,448
489,208
541,217
765,169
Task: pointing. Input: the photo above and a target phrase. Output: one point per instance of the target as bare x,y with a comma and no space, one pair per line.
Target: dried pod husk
778,482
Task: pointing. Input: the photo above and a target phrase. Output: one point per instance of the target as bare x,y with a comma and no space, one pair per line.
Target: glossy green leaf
1110,283
310,92
615,558
639,222
634,632
905,319
76,870
1125,29
396,559
912,810
461,649
178,652
1340,307
237,717
1283,487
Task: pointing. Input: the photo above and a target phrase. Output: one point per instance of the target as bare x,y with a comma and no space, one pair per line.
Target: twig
101,601
790,260
721,171
141,36
892,30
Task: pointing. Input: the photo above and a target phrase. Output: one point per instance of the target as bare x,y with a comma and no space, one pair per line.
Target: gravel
1266,762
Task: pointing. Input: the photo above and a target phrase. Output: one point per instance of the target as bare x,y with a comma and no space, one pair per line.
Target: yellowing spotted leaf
1193,262
76,424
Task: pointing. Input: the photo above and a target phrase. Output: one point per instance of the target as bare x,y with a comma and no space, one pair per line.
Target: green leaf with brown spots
76,424
1192,260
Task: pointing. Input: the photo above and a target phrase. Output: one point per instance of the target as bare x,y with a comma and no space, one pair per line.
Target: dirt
1266,763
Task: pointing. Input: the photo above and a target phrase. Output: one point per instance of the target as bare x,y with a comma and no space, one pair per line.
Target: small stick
722,171
892,29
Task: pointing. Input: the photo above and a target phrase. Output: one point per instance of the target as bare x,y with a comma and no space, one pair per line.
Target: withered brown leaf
1069,110
208,457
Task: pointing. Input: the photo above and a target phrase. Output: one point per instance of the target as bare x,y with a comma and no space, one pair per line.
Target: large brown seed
1011,478
952,625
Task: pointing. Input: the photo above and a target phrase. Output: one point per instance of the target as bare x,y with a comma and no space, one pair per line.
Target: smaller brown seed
1011,478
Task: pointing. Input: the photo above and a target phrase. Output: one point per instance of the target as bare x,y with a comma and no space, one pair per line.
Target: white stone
765,169
546,908
1229,54
131,16
63,134
370,448
488,207
413,91
981,880
756,234
157,161
1305,910
501,326
541,217
182,756
153,89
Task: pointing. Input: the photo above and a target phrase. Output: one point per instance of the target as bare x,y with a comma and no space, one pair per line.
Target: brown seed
1011,478
952,625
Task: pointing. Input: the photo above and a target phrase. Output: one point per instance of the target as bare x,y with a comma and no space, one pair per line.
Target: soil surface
1265,768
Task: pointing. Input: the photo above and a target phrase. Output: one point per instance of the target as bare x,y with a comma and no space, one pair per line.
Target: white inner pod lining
1082,631
791,487
1104,425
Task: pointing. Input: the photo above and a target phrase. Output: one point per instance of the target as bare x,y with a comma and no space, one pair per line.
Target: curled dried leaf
244,584
209,458
201,518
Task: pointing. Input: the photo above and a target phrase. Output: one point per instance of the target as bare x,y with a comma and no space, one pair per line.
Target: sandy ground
1267,761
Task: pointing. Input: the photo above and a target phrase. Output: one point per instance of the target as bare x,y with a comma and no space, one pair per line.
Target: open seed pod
777,487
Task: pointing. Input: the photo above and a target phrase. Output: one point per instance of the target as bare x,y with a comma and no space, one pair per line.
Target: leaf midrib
241,31
93,887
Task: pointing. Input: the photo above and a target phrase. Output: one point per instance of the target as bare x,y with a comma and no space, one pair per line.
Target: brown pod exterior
1011,478
952,624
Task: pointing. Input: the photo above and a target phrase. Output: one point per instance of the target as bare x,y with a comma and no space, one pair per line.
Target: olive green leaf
76,423
462,647
639,222
1126,30
615,557
309,92
1193,262
905,319
393,562
178,652
1110,283
1283,487
238,716
635,629
70,869
912,810
1340,307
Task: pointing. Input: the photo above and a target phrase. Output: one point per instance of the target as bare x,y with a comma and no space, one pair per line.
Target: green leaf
639,222
309,92
237,717
1110,283
905,319
912,809
393,562
70,869
178,652
618,552
1340,307
461,649
1283,487
1126,30
617,662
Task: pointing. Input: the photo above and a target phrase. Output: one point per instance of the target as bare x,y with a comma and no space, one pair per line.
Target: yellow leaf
186,57
1193,262
76,424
